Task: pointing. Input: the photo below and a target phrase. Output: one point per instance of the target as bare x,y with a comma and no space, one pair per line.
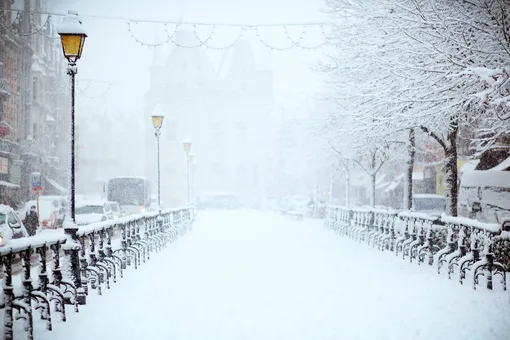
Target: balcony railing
5,90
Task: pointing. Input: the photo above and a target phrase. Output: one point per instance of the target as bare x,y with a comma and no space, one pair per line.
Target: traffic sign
36,181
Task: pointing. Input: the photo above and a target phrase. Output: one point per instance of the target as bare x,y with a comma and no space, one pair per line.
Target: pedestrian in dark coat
32,221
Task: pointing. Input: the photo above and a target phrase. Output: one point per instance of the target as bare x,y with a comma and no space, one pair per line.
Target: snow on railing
463,245
83,259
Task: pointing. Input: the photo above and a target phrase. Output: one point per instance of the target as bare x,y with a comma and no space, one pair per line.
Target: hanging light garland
170,29
292,43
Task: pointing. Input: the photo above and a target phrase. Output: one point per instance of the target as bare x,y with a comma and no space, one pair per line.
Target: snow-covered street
247,275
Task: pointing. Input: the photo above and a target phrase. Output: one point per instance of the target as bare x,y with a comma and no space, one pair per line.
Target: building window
34,89
4,166
34,131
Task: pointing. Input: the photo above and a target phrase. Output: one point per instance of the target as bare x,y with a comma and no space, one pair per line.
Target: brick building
33,102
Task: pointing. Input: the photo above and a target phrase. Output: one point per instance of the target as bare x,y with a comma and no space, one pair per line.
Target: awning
55,185
9,185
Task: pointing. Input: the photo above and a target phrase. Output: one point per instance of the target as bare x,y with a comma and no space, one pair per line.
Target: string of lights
17,22
169,34
83,86
96,96
242,30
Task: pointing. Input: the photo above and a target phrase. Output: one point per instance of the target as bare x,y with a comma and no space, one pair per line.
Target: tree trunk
372,197
451,172
408,199
373,177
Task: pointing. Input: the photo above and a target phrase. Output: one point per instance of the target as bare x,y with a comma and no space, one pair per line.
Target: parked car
11,226
485,195
88,212
430,204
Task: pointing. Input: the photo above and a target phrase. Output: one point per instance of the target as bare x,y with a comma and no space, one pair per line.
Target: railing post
27,292
8,297
160,222
72,251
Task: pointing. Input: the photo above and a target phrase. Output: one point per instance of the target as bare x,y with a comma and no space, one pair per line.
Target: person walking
31,221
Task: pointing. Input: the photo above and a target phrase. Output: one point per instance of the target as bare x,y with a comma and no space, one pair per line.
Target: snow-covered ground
251,275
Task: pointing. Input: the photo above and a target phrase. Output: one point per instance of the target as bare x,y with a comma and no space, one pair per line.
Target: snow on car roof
89,203
5,209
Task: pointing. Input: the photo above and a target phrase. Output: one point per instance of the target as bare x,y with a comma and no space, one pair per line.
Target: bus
132,193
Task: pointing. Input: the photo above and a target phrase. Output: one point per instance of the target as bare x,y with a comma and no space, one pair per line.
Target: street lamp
72,35
157,122
187,148
191,156
187,144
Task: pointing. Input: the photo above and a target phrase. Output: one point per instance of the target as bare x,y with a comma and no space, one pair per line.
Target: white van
485,195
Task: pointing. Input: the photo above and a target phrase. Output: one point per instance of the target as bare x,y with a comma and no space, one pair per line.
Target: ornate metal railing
460,245
83,260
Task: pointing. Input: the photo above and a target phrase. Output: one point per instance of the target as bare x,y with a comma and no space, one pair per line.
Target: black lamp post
72,35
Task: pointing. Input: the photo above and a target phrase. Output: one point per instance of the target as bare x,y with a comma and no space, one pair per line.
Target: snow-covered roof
8,185
55,184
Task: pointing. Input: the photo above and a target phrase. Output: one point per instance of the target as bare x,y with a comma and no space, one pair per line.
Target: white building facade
224,110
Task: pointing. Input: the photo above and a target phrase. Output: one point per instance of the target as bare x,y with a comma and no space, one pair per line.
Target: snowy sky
111,54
